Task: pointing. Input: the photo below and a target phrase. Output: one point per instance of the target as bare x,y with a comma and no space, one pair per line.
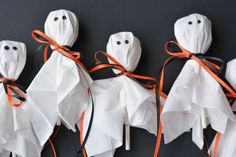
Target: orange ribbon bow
47,41
13,91
119,67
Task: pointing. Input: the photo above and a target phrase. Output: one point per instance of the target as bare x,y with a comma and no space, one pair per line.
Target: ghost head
231,73
12,58
62,26
126,49
193,33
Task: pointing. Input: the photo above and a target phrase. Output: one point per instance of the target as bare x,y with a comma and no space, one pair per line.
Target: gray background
150,20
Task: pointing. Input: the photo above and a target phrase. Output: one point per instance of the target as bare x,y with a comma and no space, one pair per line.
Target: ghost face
12,58
62,26
193,33
126,49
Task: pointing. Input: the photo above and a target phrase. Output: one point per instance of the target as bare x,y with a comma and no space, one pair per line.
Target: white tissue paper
60,89
196,99
230,73
193,33
227,145
119,101
16,132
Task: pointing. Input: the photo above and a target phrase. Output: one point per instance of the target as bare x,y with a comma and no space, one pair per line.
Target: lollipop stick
58,121
127,137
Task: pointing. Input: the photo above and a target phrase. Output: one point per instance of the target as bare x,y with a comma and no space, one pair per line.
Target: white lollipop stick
127,137
127,133
59,121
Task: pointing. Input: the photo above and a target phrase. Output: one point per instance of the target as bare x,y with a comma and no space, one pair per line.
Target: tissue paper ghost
226,145
196,98
120,100
16,133
60,89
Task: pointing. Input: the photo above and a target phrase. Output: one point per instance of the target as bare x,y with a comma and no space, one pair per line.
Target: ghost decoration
196,99
59,92
230,72
230,76
16,132
227,145
119,101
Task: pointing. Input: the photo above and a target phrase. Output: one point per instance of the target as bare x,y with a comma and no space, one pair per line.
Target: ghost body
60,89
227,145
196,99
16,133
119,101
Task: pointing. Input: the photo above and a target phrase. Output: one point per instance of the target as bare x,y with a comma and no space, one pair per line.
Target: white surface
59,90
127,54
196,99
112,97
16,133
227,144
119,101
195,37
230,73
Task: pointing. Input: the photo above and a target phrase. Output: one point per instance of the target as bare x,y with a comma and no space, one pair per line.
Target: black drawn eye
118,42
64,17
6,47
14,48
190,22
127,41
199,21
56,18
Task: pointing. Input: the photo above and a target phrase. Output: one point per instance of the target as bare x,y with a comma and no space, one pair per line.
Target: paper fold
112,98
195,100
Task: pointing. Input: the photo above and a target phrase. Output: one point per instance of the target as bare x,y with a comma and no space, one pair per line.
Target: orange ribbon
217,141
47,41
119,67
205,65
230,95
13,91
